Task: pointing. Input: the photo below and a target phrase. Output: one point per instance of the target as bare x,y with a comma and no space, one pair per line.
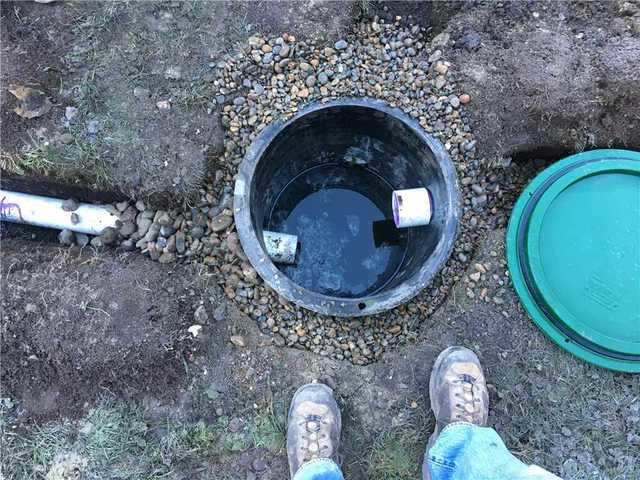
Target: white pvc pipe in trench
47,212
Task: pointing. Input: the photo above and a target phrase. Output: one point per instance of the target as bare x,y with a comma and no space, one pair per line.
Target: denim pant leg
320,469
467,452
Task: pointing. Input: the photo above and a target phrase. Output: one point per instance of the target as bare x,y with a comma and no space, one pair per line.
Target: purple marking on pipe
413,196
5,209
396,210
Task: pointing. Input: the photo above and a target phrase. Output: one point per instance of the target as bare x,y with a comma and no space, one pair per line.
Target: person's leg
322,469
313,434
462,448
466,451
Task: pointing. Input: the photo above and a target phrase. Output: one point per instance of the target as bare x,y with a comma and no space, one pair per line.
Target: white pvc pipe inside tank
47,212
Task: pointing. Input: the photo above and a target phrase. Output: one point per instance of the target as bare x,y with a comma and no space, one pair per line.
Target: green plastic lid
573,247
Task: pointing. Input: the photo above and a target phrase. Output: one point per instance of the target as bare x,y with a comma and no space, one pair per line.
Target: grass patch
392,453
539,421
87,27
262,430
32,161
80,160
27,457
118,442
365,8
114,433
266,429
185,443
397,455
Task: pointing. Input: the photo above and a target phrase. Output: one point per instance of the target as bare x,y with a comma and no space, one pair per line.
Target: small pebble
173,73
66,237
66,138
479,201
442,69
97,242
238,340
70,205
82,239
221,222
141,93
93,126
122,206
470,41
194,330
128,245
180,242
70,113
341,45
109,235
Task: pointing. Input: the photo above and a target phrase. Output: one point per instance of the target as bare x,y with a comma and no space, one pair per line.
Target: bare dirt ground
114,63
550,77
551,408
100,377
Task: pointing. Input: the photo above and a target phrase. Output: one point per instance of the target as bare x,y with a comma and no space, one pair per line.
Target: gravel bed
269,80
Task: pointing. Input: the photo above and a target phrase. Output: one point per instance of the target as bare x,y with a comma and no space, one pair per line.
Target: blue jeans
461,452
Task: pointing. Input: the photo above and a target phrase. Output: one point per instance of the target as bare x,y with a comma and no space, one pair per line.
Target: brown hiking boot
457,390
313,427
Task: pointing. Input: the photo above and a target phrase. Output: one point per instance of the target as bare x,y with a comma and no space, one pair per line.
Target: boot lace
315,439
468,402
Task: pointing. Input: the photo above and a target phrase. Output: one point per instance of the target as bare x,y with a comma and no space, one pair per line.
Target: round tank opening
327,177
348,245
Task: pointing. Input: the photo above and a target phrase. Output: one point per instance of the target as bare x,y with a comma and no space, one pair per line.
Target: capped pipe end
411,207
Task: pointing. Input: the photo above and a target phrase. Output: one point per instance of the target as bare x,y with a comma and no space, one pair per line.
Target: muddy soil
77,324
549,78
91,62
34,40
